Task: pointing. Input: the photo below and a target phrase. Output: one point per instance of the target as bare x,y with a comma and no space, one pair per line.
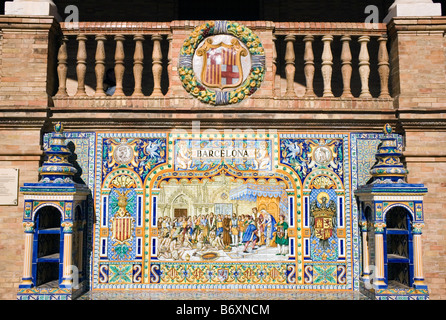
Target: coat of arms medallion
222,63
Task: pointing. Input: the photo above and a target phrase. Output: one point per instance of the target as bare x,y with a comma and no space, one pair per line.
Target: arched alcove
398,244
48,247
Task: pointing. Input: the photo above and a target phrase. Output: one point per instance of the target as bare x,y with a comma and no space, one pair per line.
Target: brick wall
12,237
24,87
419,70
426,162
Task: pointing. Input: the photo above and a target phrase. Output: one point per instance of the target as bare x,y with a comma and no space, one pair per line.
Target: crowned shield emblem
222,64
323,218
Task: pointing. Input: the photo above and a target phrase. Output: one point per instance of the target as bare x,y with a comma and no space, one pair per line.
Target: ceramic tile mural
224,211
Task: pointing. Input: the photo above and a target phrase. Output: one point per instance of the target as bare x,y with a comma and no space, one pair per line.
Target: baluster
81,67
290,68
327,65
62,57
364,67
383,67
309,66
119,64
138,66
275,75
100,65
169,62
157,67
346,69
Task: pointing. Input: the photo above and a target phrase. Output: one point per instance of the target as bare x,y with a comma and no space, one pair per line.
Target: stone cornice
33,23
417,24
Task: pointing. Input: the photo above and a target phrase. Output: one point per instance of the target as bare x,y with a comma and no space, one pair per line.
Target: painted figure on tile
241,228
250,236
123,154
322,155
178,225
204,227
212,222
184,240
183,157
270,227
190,226
262,159
234,230
172,247
216,242
226,230
281,238
196,230
261,227
219,230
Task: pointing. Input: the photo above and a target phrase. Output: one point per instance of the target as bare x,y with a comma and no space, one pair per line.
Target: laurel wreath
247,88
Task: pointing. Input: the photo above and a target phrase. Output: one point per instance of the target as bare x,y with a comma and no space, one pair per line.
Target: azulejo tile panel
199,210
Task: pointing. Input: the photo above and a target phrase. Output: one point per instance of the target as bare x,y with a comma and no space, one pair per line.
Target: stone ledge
317,104
416,24
27,22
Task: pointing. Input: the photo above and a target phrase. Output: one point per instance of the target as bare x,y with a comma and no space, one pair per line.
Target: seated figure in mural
282,235
216,242
200,242
176,247
250,236
164,245
173,247
184,241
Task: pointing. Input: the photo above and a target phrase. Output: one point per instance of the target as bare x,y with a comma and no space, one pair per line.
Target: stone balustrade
308,64
118,34
326,34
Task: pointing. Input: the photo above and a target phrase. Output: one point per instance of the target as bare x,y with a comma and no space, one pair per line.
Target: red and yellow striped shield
222,66
122,228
